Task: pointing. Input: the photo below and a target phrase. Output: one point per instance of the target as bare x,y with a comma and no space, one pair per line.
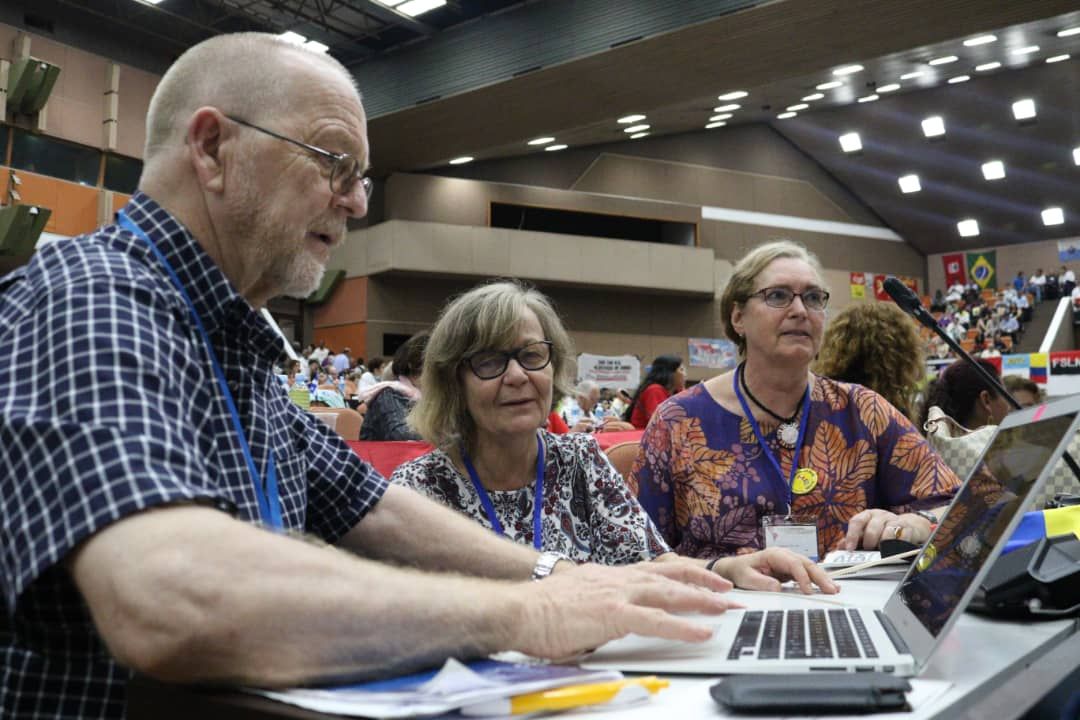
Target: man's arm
188,594
407,528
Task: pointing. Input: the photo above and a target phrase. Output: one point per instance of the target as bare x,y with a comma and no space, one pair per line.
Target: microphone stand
910,303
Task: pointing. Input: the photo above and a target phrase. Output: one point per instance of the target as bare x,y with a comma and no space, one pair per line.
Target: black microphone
910,303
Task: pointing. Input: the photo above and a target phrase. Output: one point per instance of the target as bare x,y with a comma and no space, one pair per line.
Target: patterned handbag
959,447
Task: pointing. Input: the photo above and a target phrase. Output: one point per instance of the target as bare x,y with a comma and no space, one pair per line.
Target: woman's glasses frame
782,297
504,357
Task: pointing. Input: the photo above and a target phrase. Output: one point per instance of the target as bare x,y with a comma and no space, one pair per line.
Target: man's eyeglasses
490,364
813,299
345,169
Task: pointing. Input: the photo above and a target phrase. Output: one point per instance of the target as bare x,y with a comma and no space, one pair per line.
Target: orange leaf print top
704,479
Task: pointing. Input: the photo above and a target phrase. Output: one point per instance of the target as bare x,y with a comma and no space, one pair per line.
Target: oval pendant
788,434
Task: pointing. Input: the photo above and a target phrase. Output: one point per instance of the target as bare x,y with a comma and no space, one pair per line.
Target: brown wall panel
136,87
74,206
346,305
338,337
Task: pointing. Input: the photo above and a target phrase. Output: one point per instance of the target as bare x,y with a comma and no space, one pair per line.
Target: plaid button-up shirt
109,406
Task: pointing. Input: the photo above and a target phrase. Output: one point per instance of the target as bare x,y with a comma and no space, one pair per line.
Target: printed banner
954,269
1069,249
713,353
1016,365
1065,363
982,268
879,288
858,285
619,371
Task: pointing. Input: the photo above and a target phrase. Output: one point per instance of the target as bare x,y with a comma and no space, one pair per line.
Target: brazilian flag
982,268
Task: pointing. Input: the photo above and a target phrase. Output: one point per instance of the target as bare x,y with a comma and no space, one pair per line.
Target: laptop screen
996,491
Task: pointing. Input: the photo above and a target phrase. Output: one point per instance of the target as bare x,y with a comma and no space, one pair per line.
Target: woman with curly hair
875,345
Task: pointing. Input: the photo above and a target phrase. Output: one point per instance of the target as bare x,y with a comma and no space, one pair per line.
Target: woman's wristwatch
545,564
929,517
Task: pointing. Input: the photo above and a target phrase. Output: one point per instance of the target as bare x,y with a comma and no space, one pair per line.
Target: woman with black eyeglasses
771,455
494,357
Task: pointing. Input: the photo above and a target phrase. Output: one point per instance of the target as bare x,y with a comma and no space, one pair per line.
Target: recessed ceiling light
721,116
1056,59
1053,216
933,126
968,228
1069,32
1076,155
462,160
150,2
993,170
635,136
850,142
868,98
735,95
636,128
1026,50
812,98
959,79
909,184
944,60
987,66
796,108
891,87
727,108
541,140
980,40
717,124
553,148
1024,109
627,119
912,75
293,38
847,70
831,85
412,8
786,115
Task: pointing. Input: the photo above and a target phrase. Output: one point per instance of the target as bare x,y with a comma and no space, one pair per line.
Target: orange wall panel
347,304
74,206
119,200
352,336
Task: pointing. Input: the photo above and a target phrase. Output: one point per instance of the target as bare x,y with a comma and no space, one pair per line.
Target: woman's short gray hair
746,271
484,318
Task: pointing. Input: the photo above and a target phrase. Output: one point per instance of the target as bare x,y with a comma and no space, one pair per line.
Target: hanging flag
954,269
879,288
1039,363
982,268
858,285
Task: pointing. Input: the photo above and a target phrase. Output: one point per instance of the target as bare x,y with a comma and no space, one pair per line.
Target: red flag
879,288
954,269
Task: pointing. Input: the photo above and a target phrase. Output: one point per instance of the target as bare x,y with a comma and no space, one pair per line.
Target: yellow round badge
805,481
927,557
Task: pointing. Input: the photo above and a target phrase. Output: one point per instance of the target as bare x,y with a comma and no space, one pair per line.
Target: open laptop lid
941,582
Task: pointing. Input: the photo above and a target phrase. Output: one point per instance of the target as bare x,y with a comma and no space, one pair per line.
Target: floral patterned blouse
704,479
589,514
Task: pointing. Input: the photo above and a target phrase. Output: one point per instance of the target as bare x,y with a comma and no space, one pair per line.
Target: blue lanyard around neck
538,495
761,438
266,493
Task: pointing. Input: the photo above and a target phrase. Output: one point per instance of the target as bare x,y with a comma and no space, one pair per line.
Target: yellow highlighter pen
617,692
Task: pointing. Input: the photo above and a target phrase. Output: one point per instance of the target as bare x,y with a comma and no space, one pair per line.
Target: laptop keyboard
802,634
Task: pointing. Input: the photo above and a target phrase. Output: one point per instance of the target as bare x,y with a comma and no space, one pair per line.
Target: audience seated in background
388,403
494,357
876,345
962,394
665,377
372,373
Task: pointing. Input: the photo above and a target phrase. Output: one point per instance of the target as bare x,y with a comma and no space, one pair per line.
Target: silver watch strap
545,564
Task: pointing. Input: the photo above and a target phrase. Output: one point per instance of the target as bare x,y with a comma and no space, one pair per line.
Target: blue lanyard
266,493
538,496
765,447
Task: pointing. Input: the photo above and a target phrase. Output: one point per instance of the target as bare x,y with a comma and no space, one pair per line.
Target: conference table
386,456
984,668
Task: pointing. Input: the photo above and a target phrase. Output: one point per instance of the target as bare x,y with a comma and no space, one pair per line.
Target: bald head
250,75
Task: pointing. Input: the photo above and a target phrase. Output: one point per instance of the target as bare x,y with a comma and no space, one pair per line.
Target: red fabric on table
386,456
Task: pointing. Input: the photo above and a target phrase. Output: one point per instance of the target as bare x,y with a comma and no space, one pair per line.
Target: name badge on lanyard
794,533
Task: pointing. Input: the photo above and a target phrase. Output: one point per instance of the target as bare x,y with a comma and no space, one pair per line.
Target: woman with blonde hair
772,455
495,355
876,345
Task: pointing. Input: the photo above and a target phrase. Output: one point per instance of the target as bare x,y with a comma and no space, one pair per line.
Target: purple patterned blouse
704,479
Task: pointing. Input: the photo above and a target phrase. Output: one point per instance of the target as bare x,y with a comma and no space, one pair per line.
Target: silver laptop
901,637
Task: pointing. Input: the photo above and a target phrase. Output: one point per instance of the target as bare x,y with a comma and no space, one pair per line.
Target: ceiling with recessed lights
917,107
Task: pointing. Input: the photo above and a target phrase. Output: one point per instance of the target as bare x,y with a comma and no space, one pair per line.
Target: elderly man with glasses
151,525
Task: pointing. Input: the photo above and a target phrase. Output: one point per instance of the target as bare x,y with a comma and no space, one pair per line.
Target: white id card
796,534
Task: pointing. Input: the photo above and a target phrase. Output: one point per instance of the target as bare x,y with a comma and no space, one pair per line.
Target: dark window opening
46,156
122,173
574,222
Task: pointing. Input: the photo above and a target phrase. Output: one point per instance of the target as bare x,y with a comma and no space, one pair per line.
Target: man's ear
205,133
